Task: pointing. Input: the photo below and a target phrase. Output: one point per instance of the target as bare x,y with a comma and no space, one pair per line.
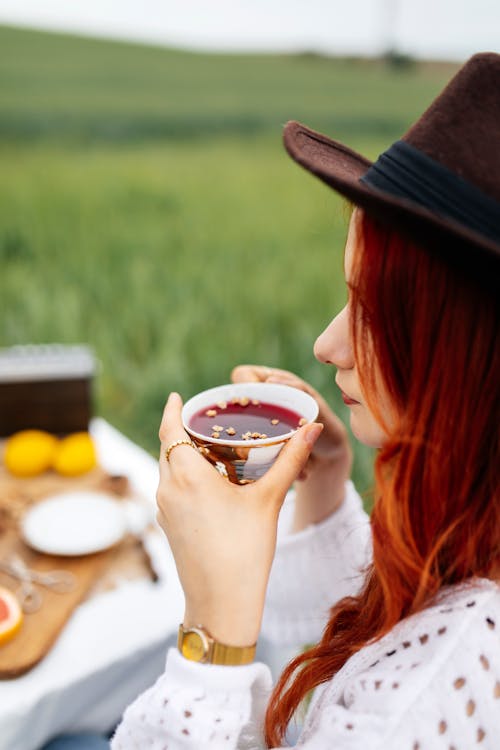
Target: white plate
74,523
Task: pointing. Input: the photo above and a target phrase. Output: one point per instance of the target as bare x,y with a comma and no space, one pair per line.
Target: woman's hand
223,535
321,488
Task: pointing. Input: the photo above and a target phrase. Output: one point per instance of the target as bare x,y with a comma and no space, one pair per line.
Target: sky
436,29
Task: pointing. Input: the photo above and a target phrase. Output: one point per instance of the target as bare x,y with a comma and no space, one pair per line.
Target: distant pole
388,17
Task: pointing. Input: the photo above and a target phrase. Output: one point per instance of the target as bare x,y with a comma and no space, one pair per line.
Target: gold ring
173,445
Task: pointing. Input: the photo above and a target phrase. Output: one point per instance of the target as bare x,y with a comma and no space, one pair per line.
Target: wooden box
46,387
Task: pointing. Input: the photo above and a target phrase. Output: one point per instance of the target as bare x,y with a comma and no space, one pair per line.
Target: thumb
291,460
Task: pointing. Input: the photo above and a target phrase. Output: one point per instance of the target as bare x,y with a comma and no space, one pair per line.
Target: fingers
171,427
334,427
335,435
249,374
171,431
290,462
260,374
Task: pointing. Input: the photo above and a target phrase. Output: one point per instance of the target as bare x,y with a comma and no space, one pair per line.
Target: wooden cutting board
40,629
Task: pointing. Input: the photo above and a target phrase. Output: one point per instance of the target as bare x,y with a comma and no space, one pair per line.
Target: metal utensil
30,599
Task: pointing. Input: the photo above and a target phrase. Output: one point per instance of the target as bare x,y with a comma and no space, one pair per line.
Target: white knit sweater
432,683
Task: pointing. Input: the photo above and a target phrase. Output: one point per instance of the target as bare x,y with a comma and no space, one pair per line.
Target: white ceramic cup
245,461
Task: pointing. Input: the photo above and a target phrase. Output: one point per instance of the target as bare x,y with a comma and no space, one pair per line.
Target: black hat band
406,172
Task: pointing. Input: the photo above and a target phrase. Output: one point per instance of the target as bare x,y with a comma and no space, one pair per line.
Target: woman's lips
347,400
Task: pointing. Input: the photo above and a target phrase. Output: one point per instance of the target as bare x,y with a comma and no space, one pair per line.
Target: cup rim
253,442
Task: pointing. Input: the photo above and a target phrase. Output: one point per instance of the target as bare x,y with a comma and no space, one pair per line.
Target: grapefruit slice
11,616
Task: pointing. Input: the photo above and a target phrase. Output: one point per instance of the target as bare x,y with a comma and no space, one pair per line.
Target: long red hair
433,332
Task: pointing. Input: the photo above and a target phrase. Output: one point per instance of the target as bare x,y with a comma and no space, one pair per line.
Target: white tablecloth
114,645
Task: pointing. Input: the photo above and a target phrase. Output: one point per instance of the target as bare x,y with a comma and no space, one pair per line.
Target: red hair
433,332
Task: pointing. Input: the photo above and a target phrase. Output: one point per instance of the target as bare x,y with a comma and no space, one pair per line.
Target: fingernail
313,431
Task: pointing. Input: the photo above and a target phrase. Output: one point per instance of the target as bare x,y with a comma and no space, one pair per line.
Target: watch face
194,646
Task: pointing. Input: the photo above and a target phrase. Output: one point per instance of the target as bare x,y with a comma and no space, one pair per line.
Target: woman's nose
334,346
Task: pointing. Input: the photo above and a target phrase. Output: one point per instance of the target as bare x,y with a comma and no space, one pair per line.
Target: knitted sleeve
197,706
313,569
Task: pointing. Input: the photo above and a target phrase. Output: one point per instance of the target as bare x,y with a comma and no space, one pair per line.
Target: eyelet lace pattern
432,683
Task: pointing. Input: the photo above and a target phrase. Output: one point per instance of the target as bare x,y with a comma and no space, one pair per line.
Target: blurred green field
147,207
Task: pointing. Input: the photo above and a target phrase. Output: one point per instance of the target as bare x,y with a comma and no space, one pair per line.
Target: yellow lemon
29,452
11,617
75,455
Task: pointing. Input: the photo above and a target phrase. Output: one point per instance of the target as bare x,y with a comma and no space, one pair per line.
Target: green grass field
147,207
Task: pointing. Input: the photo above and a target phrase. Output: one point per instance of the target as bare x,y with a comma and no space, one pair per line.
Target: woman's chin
366,429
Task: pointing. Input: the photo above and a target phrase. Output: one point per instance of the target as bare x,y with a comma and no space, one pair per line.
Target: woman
410,655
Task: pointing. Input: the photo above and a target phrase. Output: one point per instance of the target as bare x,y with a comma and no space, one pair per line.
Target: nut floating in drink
240,428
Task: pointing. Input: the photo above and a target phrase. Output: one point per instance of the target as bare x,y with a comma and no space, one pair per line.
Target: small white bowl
74,523
245,461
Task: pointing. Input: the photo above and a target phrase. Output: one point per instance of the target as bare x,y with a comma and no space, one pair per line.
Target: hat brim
341,168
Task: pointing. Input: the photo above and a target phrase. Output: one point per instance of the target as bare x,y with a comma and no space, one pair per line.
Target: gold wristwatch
196,644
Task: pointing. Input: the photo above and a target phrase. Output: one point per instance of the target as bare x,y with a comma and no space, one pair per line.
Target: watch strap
232,655
196,644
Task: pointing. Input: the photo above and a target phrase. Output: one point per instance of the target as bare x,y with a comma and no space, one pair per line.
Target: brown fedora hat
439,184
